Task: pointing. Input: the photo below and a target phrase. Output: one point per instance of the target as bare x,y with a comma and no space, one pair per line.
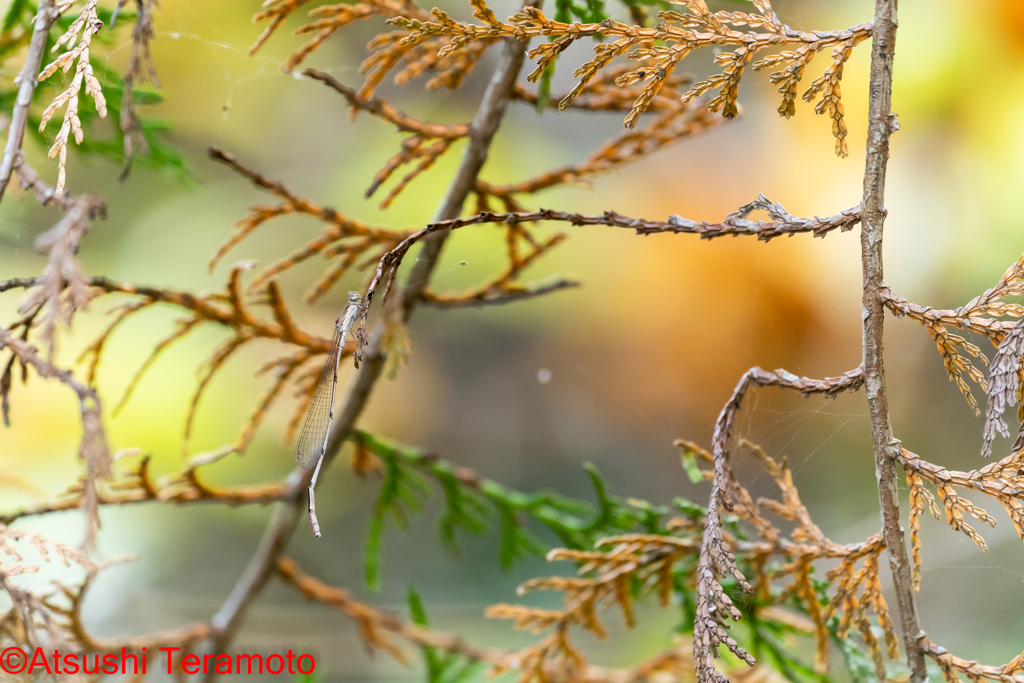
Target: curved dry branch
1011,672
180,488
736,223
716,558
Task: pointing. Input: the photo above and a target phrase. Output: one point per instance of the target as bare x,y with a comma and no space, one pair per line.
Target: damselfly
313,439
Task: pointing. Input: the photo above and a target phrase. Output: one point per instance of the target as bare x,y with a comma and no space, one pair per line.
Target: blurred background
647,351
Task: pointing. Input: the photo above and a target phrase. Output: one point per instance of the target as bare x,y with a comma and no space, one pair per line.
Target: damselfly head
355,298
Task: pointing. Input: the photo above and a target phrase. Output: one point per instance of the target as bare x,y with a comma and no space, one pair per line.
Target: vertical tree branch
26,87
481,132
228,619
881,124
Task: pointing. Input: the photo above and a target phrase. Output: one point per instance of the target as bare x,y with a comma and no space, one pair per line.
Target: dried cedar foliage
660,49
738,558
982,315
76,42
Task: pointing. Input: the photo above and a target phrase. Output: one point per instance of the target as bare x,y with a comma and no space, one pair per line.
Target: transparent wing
318,420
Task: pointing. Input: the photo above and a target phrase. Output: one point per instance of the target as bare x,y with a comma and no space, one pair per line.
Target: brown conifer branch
968,317
680,34
999,480
179,488
1011,672
374,623
783,223
676,123
494,296
716,557
276,11
344,239
212,308
882,122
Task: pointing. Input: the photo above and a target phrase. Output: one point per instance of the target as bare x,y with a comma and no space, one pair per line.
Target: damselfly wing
313,438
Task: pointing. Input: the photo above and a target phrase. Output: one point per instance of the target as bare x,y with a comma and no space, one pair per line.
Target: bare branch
882,122
45,17
735,224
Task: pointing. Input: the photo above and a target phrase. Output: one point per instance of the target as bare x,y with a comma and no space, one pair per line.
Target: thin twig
763,230
383,110
496,297
45,194
45,17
